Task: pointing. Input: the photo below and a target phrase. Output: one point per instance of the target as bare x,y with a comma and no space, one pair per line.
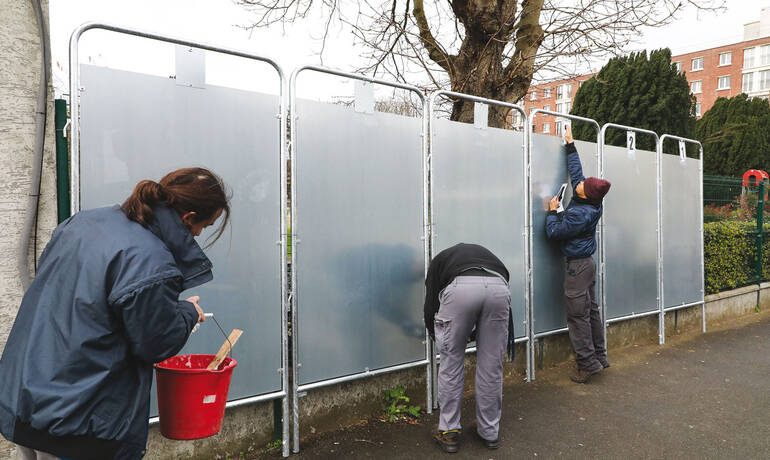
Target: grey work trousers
465,302
584,320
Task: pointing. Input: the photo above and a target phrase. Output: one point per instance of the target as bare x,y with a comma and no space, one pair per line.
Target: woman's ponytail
138,207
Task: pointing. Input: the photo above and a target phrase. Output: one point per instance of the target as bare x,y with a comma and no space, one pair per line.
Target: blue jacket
576,226
104,306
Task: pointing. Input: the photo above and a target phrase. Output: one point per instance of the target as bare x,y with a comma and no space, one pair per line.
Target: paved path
706,396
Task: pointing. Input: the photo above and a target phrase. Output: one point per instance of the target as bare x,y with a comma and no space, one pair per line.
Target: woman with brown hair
104,306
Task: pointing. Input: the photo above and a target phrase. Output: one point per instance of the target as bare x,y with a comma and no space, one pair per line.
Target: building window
678,67
547,107
764,55
567,107
559,125
726,58
696,87
564,91
547,93
533,128
748,57
697,109
724,82
764,80
748,83
533,96
546,127
697,64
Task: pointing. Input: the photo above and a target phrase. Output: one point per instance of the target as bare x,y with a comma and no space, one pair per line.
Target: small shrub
397,407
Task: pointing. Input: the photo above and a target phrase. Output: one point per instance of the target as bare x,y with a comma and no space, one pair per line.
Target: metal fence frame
528,206
527,320
702,302
659,236
297,389
75,182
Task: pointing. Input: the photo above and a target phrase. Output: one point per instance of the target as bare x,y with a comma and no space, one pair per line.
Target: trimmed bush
729,251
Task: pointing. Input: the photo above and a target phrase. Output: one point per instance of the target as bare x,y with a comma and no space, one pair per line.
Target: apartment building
723,71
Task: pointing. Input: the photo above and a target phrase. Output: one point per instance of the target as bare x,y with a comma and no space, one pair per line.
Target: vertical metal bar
702,240
432,235
659,200
760,228
284,248
294,256
426,235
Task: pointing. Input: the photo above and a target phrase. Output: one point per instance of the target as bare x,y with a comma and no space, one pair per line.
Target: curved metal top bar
340,73
628,128
566,115
683,139
444,92
165,38
74,72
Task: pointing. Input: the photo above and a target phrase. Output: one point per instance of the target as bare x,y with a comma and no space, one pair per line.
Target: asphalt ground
701,396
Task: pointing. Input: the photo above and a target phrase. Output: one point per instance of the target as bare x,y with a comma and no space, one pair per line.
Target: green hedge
730,254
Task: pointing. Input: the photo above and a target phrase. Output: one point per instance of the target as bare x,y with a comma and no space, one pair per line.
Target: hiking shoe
449,441
605,364
582,375
490,444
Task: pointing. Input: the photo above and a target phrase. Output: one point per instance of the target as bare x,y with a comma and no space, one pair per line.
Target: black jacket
447,265
77,368
576,226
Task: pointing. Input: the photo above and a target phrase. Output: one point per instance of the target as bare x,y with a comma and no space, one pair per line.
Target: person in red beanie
575,228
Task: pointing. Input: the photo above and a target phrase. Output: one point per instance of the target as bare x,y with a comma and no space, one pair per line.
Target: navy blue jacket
576,226
104,306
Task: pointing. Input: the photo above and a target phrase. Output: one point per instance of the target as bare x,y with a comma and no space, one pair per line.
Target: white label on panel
364,97
682,152
480,115
209,399
631,144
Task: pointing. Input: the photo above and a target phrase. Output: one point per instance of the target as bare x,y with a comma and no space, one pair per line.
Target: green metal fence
736,227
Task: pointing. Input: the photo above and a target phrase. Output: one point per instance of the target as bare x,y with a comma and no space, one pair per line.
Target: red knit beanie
596,188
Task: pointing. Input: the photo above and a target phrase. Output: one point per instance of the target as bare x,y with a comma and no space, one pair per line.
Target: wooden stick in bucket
224,349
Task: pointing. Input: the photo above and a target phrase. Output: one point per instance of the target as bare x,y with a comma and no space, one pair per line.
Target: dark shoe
449,441
605,364
582,375
489,443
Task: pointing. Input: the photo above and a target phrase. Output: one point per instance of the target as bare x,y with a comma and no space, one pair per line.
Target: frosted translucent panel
549,171
630,238
138,127
478,197
359,258
682,248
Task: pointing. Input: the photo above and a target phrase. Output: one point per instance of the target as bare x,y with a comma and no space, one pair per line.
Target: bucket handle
211,315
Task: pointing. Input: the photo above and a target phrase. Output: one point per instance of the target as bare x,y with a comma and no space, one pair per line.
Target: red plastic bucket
191,399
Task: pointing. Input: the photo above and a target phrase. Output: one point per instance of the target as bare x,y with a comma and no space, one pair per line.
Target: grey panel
630,244
359,258
478,197
549,171
682,248
138,127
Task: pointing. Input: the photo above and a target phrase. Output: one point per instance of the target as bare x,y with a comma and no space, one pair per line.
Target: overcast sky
216,21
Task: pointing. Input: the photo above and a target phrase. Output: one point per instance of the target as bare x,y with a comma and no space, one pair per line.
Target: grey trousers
465,302
584,319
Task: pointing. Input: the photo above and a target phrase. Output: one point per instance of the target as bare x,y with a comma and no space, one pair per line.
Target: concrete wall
20,62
